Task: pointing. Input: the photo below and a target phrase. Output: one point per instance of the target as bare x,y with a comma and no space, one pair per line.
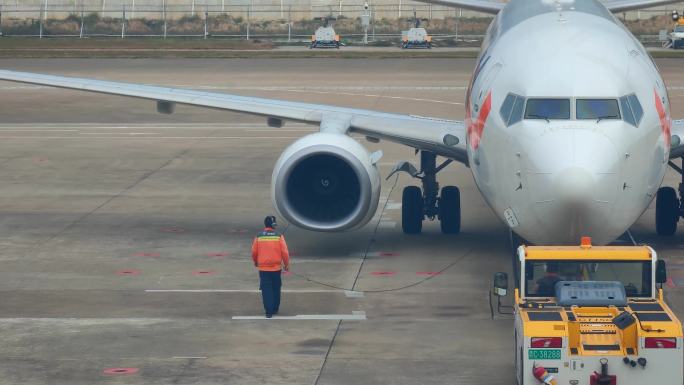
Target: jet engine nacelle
326,182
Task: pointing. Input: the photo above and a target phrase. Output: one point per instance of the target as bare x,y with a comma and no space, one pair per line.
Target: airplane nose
574,186
573,166
573,181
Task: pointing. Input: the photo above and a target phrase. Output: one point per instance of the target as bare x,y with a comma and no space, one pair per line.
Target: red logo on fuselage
476,126
665,122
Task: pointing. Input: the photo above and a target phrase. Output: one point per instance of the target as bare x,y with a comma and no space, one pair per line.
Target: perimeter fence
242,21
282,21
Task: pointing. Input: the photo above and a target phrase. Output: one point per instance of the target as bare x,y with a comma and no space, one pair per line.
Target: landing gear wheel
412,210
667,211
450,210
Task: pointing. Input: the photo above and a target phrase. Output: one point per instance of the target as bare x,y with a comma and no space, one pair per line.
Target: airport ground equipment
593,315
416,37
325,36
676,37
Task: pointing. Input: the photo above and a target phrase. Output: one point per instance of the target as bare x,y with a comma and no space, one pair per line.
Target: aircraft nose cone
575,187
573,181
573,166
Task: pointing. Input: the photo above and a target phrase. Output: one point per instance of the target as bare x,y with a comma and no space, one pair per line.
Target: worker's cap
270,221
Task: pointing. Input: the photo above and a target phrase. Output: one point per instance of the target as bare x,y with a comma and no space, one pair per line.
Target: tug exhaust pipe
604,372
604,378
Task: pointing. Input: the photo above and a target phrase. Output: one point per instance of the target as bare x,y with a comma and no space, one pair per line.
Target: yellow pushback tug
593,315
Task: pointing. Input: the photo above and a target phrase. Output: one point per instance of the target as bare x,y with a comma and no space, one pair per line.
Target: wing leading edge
630,5
492,7
443,137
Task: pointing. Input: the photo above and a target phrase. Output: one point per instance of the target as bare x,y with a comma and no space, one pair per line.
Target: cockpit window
511,109
598,109
631,109
507,107
547,109
636,107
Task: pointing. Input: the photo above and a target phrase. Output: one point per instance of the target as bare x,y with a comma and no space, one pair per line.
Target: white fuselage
558,180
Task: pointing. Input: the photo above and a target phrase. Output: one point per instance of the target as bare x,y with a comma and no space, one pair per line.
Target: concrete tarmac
125,237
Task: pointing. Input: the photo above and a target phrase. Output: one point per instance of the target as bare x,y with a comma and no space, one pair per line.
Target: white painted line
325,88
393,206
355,316
294,291
155,137
353,294
85,321
190,358
378,96
150,125
119,133
34,130
279,130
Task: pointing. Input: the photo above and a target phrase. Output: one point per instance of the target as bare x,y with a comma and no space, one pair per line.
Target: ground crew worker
270,256
546,285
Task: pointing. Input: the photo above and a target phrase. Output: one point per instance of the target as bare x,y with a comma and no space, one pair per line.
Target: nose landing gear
429,202
669,206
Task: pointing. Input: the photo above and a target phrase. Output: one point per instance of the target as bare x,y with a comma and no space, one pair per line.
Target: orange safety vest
269,251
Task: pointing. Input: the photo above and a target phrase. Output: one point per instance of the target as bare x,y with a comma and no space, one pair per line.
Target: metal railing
224,19
231,21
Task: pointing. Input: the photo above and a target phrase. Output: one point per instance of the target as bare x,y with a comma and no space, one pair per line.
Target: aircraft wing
493,7
443,137
629,5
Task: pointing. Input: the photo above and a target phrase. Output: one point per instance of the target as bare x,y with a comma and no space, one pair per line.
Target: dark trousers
270,284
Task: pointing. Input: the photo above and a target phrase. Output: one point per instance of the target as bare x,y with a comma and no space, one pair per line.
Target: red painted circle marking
387,254
146,254
670,283
203,272
218,254
384,273
173,230
128,272
429,273
120,371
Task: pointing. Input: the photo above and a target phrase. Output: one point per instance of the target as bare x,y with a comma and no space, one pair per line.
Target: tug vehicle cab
593,315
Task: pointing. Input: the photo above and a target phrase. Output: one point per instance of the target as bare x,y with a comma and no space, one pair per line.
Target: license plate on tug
544,354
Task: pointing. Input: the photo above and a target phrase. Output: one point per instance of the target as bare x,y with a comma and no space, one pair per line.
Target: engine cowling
326,182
